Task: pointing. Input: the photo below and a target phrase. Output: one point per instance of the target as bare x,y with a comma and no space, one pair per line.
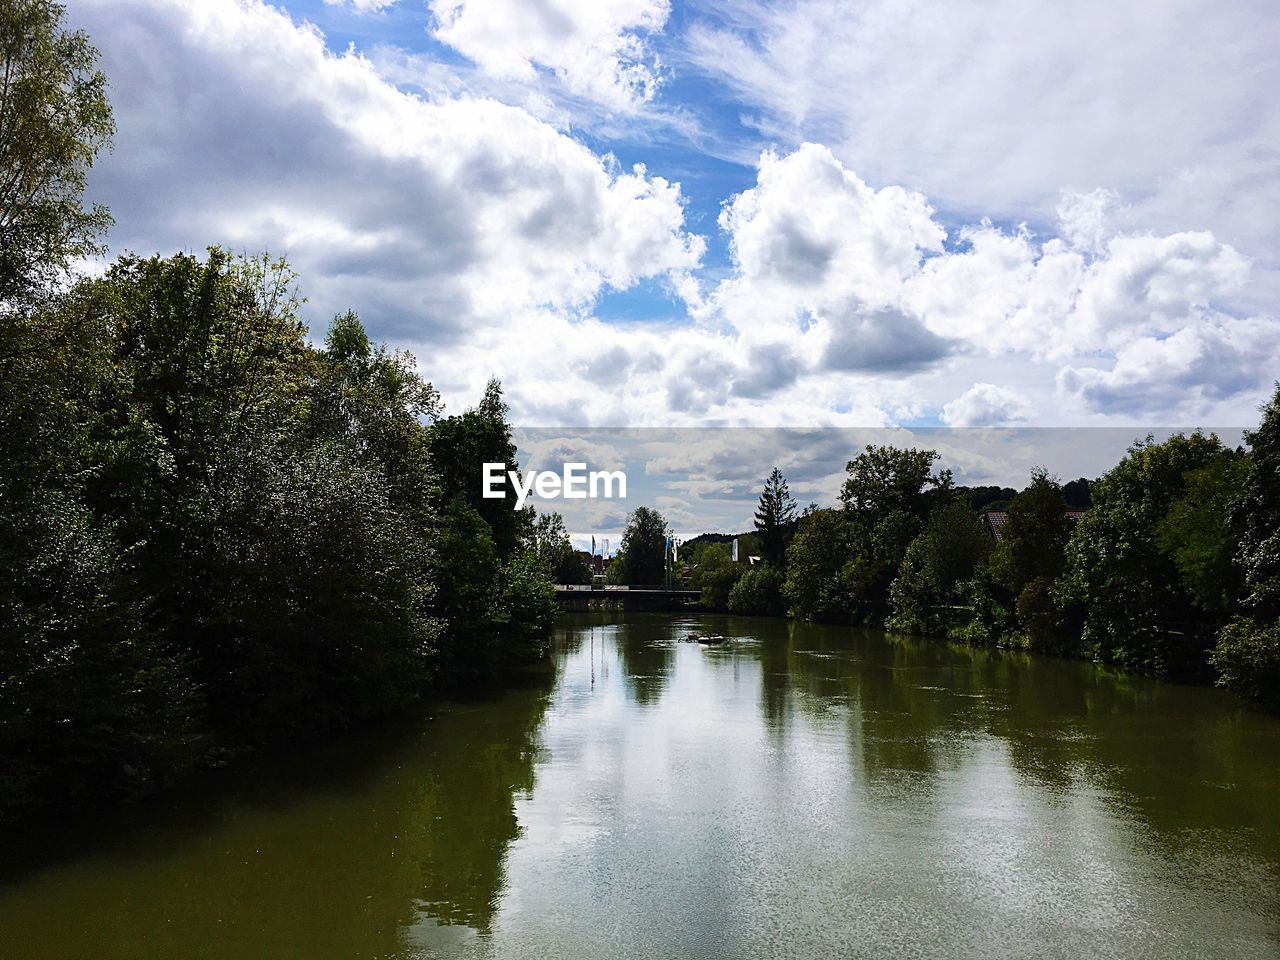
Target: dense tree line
214,534
1173,568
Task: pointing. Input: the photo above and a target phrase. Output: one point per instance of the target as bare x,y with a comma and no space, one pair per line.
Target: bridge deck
572,597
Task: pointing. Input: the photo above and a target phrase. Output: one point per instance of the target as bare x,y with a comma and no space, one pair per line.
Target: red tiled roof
996,519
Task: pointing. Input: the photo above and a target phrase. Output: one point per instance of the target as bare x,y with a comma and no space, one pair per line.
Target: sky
663,214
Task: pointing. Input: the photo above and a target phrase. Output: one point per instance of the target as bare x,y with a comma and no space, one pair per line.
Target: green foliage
460,446
816,586
991,620
1029,560
1257,517
885,480
91,706
1247,653
848,561
775,519
1247,658
714,573
641,560
526,608
54,120
1137,611
215,535
1197,533
758,592
1035,536
555,551
928,588
1078,494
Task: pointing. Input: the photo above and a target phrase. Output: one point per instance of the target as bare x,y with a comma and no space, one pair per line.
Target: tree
758,592
936,566
460,446
373,401
1077,494
1199,536
1258,517
1030,558
884,479
641,559
714,574
552,546
1247,658
887,495
1247,652
54,120
817,587
1137,612
1034,535
775,519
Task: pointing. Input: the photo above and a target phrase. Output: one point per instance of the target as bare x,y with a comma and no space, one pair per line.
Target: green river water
802,791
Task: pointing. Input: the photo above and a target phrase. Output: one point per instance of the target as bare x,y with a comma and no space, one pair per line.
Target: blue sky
648,214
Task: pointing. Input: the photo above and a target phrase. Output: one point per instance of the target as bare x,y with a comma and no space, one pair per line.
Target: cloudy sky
652,213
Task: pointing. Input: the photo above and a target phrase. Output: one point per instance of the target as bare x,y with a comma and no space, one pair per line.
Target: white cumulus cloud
597,49
432,218
484,237
986,405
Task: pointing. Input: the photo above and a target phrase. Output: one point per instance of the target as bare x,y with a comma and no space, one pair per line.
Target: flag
606,546
675,548
735,549
593,544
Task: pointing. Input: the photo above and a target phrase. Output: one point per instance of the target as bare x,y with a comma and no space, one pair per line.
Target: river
799,791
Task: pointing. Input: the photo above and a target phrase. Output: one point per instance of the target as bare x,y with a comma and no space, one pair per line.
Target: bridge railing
616,587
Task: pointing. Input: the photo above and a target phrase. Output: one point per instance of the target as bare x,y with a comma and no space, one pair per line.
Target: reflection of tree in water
326,853
646,655
774,652
1177,757
894,721
479,760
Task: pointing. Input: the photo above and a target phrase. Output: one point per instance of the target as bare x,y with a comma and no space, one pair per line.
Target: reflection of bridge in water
572,597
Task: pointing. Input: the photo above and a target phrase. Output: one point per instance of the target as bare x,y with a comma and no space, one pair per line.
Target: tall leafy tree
54,121
714,574
1031,556
553,548
1138,612
775,518
818,583
1034,536
1258,517
1247,651
1201,536
641,559
935,568
887,495
460,446
882,480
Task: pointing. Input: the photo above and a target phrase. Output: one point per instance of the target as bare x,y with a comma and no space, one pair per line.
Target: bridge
582,598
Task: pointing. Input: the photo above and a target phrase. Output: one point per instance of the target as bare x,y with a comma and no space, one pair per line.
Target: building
994,521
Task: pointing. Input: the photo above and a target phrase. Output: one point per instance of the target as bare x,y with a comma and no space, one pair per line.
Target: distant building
994,521
597,564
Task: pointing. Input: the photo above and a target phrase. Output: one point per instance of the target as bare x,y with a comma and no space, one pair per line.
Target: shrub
759,593
1247,656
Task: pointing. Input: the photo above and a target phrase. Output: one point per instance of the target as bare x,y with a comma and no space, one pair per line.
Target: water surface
800,791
